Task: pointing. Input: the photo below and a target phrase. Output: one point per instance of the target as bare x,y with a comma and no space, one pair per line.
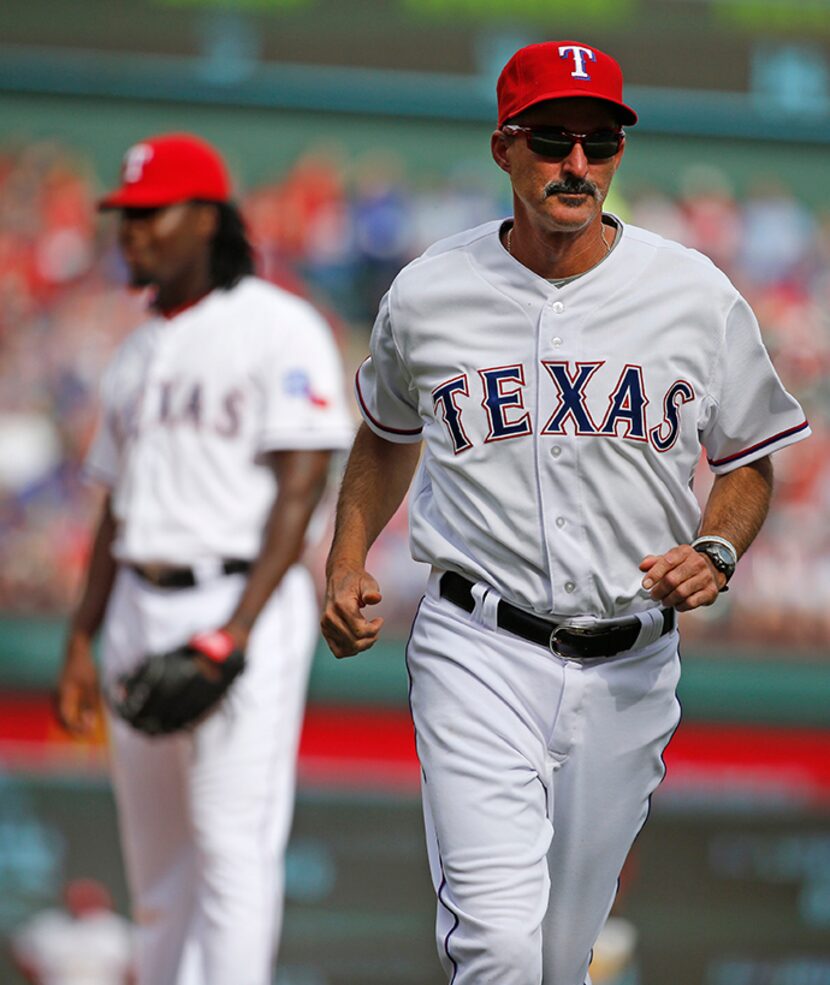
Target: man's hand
374,484
238,632
346,630
77,702
682,578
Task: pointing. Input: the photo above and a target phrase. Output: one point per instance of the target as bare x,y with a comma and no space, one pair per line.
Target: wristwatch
720,552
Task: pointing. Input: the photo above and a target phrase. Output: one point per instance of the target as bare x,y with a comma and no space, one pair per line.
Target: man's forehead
573,113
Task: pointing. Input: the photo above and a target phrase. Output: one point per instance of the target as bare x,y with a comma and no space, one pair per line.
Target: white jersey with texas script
562,425
190,402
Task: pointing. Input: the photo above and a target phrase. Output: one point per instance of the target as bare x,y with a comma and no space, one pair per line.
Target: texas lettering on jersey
620,414
183,403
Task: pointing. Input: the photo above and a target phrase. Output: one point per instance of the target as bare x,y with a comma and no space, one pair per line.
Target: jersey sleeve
747,414
303,387
385,393
102,462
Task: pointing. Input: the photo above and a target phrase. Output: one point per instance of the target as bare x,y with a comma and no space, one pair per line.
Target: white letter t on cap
578,53
134,161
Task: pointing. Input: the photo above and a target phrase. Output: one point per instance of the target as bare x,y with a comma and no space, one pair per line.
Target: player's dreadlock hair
232,255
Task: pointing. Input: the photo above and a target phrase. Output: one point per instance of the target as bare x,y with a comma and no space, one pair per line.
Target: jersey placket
147,459
558,458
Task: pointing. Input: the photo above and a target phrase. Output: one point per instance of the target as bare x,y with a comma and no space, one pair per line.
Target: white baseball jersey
189,403
562,425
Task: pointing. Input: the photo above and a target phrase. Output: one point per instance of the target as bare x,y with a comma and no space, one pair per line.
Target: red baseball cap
171,168
560,70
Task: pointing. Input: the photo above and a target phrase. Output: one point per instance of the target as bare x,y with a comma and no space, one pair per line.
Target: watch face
722,554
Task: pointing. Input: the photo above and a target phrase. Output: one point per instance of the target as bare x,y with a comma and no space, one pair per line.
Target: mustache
571,186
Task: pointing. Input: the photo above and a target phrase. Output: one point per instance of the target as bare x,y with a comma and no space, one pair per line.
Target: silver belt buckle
552,640
574,631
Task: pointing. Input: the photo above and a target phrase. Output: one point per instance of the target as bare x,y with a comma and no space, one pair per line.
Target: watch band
709,546
713,539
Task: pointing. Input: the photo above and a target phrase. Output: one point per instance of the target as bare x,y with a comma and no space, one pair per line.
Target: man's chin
571,212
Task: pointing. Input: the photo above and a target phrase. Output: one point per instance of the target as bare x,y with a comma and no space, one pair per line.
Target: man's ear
207,220
498,148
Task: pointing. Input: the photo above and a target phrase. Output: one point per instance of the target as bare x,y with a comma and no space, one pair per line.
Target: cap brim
127,198
626,114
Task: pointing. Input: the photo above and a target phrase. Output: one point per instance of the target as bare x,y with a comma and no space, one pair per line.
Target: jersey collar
168,314
515,279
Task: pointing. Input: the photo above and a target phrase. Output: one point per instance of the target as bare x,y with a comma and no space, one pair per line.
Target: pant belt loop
490,609
207,569
651,627
484,612
433,589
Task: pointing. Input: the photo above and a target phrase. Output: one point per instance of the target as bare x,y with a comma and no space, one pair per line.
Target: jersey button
556,342
569,587
560,521
556,451
557,307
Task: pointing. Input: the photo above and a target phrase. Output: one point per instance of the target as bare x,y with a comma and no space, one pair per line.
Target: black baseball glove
171,691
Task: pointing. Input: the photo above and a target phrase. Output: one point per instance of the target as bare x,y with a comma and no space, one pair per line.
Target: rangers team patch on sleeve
297,383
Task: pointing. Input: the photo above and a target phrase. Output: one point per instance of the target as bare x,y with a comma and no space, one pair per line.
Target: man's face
566,194
159,245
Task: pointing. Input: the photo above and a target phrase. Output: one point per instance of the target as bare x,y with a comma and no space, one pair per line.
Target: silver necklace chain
509,241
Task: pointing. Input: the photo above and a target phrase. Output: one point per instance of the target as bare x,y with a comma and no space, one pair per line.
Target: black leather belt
573,642
164,576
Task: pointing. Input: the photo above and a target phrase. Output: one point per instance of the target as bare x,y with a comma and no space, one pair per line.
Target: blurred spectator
778,235
653,209
84,943
444,204
381,220
711,216
613,961
340,229
302,218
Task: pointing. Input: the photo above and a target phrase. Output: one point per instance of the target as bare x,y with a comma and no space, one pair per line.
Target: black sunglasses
557,142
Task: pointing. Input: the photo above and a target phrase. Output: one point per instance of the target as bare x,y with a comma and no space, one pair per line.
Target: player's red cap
171,168
560,70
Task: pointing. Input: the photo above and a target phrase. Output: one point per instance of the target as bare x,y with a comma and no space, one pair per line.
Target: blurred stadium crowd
338,230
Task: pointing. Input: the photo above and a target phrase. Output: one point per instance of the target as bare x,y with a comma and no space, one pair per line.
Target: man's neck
182,293
557,255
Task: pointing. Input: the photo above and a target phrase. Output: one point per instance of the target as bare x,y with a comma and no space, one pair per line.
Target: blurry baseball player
82,943
219,417
560,371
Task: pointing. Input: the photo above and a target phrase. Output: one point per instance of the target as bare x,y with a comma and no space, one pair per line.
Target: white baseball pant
204,815
537,774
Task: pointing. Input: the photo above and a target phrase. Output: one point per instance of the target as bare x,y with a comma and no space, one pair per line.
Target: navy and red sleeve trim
367,413
761,444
